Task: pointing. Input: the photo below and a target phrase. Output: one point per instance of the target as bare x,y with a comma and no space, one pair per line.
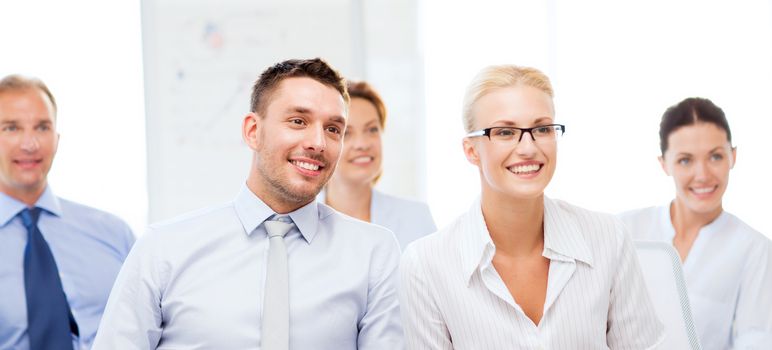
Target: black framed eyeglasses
541,133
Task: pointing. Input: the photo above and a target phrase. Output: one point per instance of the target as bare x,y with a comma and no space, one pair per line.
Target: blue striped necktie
49,319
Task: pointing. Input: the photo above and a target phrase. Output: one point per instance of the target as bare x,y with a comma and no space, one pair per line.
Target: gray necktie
275,332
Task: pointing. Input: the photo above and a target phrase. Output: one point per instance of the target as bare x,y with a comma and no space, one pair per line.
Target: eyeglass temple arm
483,132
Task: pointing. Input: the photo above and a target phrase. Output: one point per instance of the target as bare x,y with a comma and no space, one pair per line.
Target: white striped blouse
451,296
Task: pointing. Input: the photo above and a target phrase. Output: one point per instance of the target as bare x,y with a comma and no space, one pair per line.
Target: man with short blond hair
58,259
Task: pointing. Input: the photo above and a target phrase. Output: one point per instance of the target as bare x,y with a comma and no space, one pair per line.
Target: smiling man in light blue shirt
201,280
56,272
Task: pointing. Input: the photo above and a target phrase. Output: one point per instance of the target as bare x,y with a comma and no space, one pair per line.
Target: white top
452,297
197,282
729,276
666,284
408,219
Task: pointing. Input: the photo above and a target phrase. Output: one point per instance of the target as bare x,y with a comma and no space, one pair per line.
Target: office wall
201,59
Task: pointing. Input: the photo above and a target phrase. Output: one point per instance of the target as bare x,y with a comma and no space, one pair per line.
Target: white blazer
728,275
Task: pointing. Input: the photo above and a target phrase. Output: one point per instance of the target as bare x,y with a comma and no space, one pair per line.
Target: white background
616,66
89,54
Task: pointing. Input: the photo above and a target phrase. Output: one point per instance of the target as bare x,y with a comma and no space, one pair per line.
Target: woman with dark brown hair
727,264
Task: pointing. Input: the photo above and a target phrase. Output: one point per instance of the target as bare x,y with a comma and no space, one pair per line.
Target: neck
352,199
516,226
26,196
272,197
687,222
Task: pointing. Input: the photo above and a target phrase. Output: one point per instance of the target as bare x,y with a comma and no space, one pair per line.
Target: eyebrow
15,121
338,119
298,109
537,121
714,150
717,148
306,110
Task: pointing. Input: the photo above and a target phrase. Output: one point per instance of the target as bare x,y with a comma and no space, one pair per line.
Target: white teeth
363,159
703,190
522,169
307,166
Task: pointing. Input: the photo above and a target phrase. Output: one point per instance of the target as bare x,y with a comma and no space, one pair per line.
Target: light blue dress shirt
408,219
89,246
197,281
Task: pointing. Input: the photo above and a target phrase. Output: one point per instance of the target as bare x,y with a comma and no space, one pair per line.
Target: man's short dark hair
315,68
16,82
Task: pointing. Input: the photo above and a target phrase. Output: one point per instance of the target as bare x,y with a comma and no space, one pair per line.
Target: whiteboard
201,59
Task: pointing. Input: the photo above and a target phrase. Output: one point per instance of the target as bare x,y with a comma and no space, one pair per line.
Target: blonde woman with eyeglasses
520,270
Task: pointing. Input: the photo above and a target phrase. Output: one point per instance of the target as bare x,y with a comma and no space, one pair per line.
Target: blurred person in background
726,263
351,189
58,259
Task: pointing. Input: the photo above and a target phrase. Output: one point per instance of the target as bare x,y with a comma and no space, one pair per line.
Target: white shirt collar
668,230
562,238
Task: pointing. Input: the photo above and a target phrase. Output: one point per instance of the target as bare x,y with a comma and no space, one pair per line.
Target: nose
30,142
360,143
522,134
315,139
701,171
526,146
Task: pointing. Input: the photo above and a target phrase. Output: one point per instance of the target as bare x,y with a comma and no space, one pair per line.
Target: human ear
470,151
56,142
733,158
663,164
250,130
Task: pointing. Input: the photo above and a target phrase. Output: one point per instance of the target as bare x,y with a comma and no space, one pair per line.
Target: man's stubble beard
283,190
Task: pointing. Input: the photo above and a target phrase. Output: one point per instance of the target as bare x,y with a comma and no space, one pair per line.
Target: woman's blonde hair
495,77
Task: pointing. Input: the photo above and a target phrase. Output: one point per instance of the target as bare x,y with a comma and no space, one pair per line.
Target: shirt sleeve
128,238
632,320
132,317
421,318
752,326
379,328
429,225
